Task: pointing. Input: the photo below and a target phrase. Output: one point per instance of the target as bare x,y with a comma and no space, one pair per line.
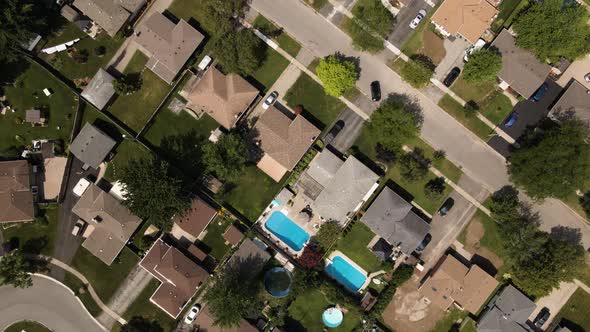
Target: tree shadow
35,245
185,151
570,235
12,70
355,60
247,268
251,137
409,103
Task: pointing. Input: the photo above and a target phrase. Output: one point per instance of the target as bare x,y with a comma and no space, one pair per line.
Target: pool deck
355,265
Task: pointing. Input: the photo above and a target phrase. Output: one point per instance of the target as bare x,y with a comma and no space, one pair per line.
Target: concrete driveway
353,125
48,303
576,70
554,301
401,28
455,51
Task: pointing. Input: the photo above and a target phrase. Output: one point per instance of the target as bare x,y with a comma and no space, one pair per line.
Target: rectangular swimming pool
287,230
346,274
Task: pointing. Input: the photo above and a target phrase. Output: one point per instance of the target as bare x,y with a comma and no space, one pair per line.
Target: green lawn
496,107
317,4
104,279
472,123
307,310
287,43
35,237
354,245
27,326
214,241
271,68
135,110
471,91
168,124
468,325
82,293
27,93
450,318
320,108
575,312
191,10
127,150
413,45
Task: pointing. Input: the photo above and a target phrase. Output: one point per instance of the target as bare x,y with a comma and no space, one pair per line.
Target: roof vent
97,219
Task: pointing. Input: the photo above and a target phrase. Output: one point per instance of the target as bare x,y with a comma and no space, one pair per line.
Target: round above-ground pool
277,282
332,317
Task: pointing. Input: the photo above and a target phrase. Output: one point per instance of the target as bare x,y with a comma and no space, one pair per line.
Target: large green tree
416,72
239,51
411,168
152,192
552,163
483,66
552,29
128,84
19,23
226,158
375,15
14,270
337,75
223,15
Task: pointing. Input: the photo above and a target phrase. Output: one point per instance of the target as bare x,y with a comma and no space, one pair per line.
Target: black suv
446,207
375,91
451,77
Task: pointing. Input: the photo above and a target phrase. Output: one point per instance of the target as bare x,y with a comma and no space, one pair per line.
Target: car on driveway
78,227
511,120
336,129
542,317
192,314
479,44
451,77
446,207
424,243
538,95
375,91
270,100
81,187
419,17
587,77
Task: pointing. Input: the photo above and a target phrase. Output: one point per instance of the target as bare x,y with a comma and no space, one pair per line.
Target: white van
81,187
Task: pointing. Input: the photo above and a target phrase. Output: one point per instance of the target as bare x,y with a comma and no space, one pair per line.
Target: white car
78,227
479,44
270,100
192,314
204,63
81,187
418,19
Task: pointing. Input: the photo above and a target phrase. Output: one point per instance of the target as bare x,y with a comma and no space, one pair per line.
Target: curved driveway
48,303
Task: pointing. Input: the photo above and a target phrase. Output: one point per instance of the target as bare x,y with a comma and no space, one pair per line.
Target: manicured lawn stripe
470,121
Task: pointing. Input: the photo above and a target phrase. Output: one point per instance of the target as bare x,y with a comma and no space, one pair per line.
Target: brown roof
197,252
206,322
470,18
224,97
195,220
233,235
170,45
33,116
455,282
16,199
285,138
114,223
109,14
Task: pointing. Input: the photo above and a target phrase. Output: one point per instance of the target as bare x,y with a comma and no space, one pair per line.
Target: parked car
81,187
446,207
479,44
511,120
192,314
451,77
204,63
424,243
542,317
336,129
375,91
78,227
419,17
587,77
270,100
540,92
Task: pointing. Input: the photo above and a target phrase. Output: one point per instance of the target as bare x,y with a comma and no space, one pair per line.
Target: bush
361,39
471,108
402,274
417,73
439,154
435,188
100,51
412,169
385,155
337,75
128,84
585,202
311,256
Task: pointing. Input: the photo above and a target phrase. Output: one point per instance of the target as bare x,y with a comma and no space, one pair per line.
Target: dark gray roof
575,100
252,254
520,68
392,218
100,89
91,146
509,312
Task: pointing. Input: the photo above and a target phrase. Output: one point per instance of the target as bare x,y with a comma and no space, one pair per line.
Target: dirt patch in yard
433,46
484,257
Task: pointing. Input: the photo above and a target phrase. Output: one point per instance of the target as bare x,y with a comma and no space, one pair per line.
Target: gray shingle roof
100,89
91,146
509,312
576,100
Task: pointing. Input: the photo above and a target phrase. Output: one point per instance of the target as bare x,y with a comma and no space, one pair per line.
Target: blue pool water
346,274
286,230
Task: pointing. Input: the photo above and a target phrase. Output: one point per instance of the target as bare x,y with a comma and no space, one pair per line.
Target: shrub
402,274
416,73
435,188
311,256
439,154
128,84
412,169
585,202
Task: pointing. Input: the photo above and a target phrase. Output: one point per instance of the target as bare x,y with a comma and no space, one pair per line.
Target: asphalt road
48,303
401,28
478,160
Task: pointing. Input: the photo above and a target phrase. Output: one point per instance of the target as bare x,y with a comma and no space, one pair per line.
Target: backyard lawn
270,69
214,241
127,150
287,43
134,110
450,319
318,107
307,310
27,326
27,93
354,245
575,312
472,123
35,237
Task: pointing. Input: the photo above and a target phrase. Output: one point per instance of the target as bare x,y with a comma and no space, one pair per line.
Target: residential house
206,322
190,224
99,90
521,70
337,188
391,217
467,18
168,45
72,15
284,138
226,98
110,224
16,198
233,235
507,312
34,117
251,254
575,101
91,146
110,15
180,277
454,283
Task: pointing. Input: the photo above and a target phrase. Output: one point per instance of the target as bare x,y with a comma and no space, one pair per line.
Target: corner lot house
167,44
99,90
226,98
180,277
110,15
521,70
574,101
468,18
507,312
453,282
392,218
193,222
110,224
16,198
284,138
91,146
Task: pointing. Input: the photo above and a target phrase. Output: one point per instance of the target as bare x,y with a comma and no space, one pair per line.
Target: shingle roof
196,218
520,68
170,45
252,254
109,14
391,217
576,100
470,18
33,116
508,313
224,97
324,167
100,89
91,145
16,199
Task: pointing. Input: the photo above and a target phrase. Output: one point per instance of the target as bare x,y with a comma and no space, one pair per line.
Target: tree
585,202
141,324
375,15
385,155
552,29
505,204
152,192
416,72
435,188
393,124
226,158
14,270
311,257
128,84
328,234
412,169
19,23
483,65
553,163
223,15
336,74
239,51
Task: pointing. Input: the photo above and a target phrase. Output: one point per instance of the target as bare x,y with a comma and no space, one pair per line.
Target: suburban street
475,157
48,303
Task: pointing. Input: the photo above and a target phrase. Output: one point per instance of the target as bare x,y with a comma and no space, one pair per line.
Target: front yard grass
82,293
354,245
471,91
307,310
27,93
134,110
468,325
472,123
127,150
575,312
496,107
268,28
270,69
35,237
319,108
446,167
28,326
214,241
104,279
